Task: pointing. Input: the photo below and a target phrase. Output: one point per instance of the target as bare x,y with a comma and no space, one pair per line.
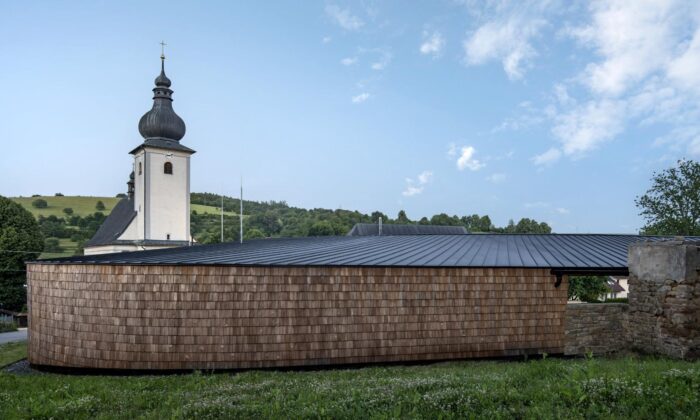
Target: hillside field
85,205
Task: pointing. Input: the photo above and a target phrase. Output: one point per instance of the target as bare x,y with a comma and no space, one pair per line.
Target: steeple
161,122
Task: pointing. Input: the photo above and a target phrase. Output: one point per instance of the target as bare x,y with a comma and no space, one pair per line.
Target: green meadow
552,388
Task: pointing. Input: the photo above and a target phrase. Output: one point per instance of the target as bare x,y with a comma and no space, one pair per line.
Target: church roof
563,253
161,126
115,224
372,229
161,143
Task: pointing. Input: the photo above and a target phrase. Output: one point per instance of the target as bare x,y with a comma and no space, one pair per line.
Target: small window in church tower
139,168
168,168
168,236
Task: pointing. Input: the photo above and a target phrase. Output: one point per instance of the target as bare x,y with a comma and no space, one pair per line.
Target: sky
559,111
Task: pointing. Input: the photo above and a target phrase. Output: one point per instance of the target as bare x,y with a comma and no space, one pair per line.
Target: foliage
20,241
672,205
52,245
538,389
58,195
588,288
6,326
68,211
322,228
253,234
100,206
40,203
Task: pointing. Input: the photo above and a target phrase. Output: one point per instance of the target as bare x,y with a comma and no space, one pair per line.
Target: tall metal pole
222,218
240,213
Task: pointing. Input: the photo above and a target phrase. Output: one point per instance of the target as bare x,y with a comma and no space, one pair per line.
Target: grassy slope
12,352
552,388
83,206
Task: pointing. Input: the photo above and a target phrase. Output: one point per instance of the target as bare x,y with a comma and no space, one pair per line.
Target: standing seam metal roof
556,251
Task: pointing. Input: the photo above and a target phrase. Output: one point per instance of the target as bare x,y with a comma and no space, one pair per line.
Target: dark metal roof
372,229
114,225
563,252
161,120
163,143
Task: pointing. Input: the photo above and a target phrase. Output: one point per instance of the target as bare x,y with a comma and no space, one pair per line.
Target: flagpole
240,213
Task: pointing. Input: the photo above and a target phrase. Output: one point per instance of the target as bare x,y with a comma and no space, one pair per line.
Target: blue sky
559,111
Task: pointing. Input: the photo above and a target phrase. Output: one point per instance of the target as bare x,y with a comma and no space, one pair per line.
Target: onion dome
161,122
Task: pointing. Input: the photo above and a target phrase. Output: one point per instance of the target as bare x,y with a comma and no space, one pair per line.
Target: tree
588,288
19,233
40,203
68,211
100,206
52,245
672,205
402,218
58,195
322,228
253,234
376,215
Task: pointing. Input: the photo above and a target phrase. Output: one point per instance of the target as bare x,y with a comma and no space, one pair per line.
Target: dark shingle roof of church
114,225
604,254
372,229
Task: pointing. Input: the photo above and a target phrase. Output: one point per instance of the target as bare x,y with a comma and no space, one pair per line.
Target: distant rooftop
372,229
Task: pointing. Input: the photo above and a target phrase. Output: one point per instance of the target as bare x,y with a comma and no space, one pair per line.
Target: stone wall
214,317
600,328
664,298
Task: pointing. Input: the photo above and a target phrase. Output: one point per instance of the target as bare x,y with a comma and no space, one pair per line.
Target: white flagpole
240,213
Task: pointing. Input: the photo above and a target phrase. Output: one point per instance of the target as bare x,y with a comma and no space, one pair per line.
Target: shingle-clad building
313,301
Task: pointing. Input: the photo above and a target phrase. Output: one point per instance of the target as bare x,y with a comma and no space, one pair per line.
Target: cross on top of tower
162,50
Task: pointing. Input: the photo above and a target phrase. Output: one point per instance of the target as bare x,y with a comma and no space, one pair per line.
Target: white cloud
451,150
634,39
358,99
348,61
382,62
326,39
344,18
496,178
467,161
432,44
562,210
550,156
583,128
506,39
415,187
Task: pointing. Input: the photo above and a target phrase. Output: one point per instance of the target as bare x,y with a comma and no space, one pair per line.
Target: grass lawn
12,352
551,388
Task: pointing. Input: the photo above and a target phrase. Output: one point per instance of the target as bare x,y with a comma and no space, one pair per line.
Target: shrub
100,205
40,203
52,245
68,211
7,326
58,195
121,195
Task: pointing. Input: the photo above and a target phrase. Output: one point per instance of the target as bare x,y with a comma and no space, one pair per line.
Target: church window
168,236
168,168
139,168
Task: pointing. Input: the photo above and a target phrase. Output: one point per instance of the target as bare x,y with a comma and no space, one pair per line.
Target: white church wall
167,209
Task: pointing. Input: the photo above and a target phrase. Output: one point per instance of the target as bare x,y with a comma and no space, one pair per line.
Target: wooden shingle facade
230,317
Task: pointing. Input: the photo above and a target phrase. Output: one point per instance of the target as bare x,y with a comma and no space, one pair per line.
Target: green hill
85,205
66,233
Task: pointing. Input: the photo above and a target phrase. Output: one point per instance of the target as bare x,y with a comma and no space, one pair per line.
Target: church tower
156,213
